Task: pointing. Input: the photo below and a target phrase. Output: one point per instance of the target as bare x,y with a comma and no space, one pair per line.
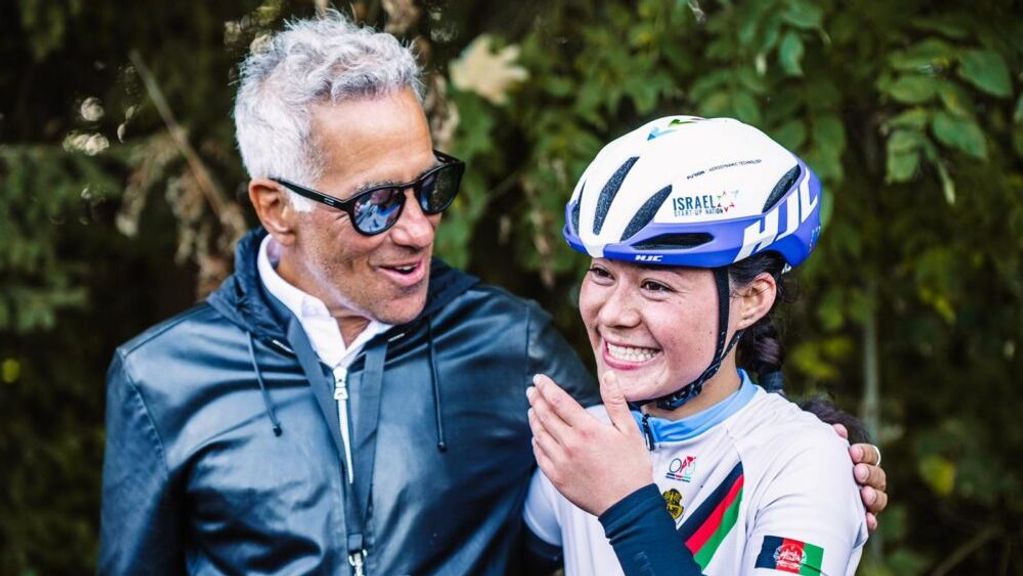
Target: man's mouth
406,274
405,269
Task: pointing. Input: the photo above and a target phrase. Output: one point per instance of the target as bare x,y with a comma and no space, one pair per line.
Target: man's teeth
404,269
630,354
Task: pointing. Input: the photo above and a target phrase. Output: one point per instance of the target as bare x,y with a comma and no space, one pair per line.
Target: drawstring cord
267,401
442,444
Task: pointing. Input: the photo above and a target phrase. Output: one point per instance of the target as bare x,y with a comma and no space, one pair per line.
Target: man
342,404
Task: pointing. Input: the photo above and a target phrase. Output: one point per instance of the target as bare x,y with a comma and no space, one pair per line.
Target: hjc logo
648,257
798,208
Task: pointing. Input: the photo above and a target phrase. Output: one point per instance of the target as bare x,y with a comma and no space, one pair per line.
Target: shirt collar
311,312
691,426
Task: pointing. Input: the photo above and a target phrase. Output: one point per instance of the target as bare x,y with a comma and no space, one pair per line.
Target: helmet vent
607,195
783,186
575,210
646,212
674,241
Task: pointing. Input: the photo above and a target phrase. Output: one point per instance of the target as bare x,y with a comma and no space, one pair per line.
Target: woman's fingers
566,408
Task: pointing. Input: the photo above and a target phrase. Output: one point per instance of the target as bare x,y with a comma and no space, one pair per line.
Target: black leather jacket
223,458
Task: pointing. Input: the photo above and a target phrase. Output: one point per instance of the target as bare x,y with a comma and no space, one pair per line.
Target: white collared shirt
321,328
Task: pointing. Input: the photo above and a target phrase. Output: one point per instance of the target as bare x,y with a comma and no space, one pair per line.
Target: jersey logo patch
673,500
681,469
792,556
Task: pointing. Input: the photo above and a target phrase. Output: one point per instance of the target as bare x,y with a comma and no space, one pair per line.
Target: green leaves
45,193
829,145
913,89
940,104
791,135
923,56
960,133
923,173
903,154
790,54
938,473
804,14
987,71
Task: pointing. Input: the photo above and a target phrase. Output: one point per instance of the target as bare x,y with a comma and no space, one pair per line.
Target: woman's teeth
631,354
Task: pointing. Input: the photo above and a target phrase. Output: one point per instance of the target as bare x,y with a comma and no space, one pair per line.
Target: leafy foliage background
116,212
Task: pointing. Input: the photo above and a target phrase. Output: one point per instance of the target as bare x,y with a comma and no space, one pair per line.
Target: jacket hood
243,300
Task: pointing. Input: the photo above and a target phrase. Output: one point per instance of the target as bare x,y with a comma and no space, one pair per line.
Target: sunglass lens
378,210
437,190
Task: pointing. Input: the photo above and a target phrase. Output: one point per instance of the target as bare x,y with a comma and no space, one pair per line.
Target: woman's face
655,327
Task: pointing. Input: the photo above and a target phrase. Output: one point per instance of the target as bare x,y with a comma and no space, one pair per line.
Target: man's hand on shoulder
869,475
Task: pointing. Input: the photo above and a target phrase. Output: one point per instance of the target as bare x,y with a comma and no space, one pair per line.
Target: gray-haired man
342,404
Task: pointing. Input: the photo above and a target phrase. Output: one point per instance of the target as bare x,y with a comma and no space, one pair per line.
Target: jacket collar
243,300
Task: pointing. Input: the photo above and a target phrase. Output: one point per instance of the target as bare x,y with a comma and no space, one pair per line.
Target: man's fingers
865,454
616,405
871,523
880,504
841,430
875,501
871,476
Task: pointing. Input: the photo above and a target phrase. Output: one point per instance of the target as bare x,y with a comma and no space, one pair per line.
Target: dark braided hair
759,350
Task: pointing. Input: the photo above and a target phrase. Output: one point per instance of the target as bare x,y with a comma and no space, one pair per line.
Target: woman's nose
621,308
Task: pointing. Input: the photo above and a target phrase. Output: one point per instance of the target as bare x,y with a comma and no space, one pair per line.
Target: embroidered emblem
673,500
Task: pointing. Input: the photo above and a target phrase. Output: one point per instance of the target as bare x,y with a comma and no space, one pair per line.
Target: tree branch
969,547
210,189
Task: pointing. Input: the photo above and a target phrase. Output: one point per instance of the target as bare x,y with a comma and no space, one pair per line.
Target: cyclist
690,224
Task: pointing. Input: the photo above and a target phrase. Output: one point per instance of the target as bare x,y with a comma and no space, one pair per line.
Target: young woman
690,223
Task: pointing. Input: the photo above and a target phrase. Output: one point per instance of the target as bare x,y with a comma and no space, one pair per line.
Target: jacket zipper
341,395
648,434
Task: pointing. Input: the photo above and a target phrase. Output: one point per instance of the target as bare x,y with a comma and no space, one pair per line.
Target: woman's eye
598,272
655,287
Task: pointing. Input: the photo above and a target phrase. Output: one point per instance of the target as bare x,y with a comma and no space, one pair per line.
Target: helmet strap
693,389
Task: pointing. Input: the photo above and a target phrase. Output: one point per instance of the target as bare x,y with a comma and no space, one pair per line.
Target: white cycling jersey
755,485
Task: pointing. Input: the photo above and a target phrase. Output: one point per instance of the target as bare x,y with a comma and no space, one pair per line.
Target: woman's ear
756,299
274,209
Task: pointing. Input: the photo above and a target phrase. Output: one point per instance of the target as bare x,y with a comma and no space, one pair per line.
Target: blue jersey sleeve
644,537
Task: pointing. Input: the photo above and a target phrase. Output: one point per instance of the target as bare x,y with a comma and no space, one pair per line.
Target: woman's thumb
614,402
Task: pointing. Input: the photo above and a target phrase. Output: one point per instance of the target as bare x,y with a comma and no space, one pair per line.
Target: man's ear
756,299
274,209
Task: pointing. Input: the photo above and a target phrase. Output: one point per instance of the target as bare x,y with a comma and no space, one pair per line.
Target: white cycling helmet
704,193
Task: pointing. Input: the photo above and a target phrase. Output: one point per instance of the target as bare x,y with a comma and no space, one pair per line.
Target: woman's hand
592,463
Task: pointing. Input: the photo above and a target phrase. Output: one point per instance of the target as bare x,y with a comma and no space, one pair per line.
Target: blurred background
121,195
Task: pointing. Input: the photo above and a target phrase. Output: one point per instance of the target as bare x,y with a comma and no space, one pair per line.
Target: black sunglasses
375,210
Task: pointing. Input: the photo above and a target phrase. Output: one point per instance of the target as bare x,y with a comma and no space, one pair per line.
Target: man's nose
413,228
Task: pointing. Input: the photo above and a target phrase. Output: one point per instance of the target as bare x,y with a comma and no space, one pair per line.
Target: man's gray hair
322,60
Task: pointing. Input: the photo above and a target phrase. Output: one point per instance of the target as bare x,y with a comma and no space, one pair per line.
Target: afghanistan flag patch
786,555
